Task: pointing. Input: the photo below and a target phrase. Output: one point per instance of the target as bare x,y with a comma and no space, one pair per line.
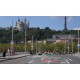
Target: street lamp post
12,42
65,48
72,45
25,41
36,46
68,47
32,44
78,37
78,40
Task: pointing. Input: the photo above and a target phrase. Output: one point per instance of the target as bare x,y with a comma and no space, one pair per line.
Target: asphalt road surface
44,59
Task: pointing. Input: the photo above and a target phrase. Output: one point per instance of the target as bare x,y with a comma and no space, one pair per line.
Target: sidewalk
76,54
13,56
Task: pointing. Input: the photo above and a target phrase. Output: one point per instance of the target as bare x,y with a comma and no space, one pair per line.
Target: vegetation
60,47
39,34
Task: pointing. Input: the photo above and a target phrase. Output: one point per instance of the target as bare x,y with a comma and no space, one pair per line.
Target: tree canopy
39,34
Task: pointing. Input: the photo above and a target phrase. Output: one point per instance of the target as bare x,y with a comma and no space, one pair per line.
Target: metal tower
65,24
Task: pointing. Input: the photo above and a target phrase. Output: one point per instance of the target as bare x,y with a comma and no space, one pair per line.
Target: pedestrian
4,53
8,51
13,52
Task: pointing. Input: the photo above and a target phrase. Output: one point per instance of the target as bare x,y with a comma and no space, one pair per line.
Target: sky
53,22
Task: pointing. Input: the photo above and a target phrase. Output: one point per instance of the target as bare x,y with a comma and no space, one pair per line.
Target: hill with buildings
39,34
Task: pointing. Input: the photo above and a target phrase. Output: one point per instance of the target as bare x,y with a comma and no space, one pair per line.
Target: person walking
8,51
4,53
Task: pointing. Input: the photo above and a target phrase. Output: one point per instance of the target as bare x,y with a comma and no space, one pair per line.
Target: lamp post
72,45
68,46
68,43
78,37
78,41
25,41
36,46
12,42
65,48
32,44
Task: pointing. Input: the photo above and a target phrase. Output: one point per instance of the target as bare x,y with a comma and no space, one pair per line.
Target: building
61,38
64,36
22,25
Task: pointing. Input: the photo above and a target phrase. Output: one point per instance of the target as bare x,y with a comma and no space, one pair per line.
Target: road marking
62,62
70,59
31,61
57,57
36,56
68,62
42,58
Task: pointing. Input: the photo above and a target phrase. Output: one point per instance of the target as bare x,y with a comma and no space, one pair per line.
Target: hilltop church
22,25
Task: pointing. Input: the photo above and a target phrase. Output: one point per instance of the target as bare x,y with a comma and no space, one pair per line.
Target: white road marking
68,62
62,62
31,61
36,56
70,59
42,58
57,57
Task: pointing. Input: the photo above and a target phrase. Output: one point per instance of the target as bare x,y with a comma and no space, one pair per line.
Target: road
44,59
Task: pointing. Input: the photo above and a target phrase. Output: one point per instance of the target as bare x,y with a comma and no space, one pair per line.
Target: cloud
76,28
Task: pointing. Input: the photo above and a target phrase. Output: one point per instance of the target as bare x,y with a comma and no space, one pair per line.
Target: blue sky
53,22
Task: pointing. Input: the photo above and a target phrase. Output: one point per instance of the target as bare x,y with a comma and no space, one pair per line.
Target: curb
13,58
76,56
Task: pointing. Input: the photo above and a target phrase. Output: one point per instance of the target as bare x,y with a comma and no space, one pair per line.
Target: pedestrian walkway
76,54
7,57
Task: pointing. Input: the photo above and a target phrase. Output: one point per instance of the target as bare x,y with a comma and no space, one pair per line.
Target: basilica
22,25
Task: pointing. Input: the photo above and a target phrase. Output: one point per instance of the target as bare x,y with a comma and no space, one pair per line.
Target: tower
18,19
65,23
25,20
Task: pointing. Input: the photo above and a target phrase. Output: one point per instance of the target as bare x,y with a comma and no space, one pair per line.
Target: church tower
25,20
65,24
18,19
